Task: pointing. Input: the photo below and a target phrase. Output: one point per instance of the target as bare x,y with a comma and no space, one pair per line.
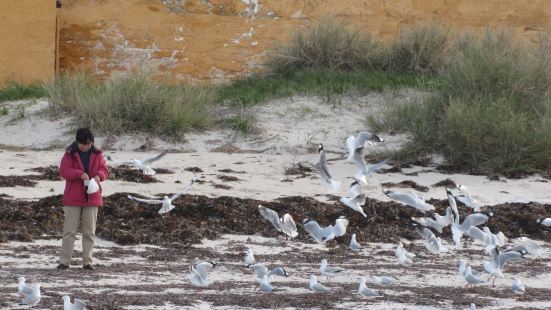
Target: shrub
132,104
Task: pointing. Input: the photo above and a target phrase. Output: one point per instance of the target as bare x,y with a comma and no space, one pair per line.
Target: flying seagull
144,165
166,202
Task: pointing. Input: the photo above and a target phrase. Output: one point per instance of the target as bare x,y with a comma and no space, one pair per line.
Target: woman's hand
97,179
84,177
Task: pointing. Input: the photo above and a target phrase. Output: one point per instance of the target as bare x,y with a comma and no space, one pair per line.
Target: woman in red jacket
81,163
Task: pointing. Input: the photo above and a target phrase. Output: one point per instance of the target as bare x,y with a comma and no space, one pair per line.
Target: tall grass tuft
132,104
327,45
17,90
493,114
420,49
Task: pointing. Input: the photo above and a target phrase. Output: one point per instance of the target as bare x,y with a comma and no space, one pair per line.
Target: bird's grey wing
474,219
151,160
363,137
359,200
453,205
425,233
278,271
203,268
322,165
476,233
184,190
26,289
355,189
333,269
350,145
368,292
403,197
508,256
270,215
319,287
359,159
377,166
116,162
149,201
79,304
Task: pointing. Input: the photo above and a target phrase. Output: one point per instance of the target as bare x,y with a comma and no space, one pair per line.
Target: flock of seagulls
493,243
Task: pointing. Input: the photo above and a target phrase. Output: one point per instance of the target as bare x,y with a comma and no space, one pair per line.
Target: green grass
239,123
132,104
17,91
492,113
262,88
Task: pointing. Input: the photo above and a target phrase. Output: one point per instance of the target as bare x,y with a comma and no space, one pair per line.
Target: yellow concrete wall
27,40
217,40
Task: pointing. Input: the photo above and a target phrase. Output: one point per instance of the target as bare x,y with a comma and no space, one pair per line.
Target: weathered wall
217,40
27,40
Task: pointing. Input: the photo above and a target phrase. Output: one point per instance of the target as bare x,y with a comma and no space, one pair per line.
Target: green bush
326,45
17,91
418,50
132,104
493,114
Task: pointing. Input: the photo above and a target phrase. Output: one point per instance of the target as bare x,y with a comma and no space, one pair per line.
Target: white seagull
497,261
33,298
249,257
410,199
143,165
470,278
199,272
518,287
354,245
328,271
428,222
528,245
446,219
316,286
467,199
382,281
76,305
364,290
265,285
330,185
432,243
286,224
356,198
471,220
166,202
23,288
321,235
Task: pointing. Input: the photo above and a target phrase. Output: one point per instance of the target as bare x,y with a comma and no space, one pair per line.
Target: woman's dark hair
84,136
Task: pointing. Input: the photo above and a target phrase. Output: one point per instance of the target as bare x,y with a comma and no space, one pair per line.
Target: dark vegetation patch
193,169
228,178
445,183
407,184
195,217
300,169
16,180
230,171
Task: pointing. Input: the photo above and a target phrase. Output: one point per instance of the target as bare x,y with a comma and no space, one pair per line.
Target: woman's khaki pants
87,217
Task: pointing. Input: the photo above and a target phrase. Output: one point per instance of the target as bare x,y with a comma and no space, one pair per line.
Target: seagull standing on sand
518,287
265,285
316,286
249,257
470,278
143,165
330,185
354,245
286,224
23,288
33,298
166,202
382,281
328,271
356,198
77,305
364,290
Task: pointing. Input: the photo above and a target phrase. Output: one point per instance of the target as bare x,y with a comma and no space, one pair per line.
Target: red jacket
71,169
